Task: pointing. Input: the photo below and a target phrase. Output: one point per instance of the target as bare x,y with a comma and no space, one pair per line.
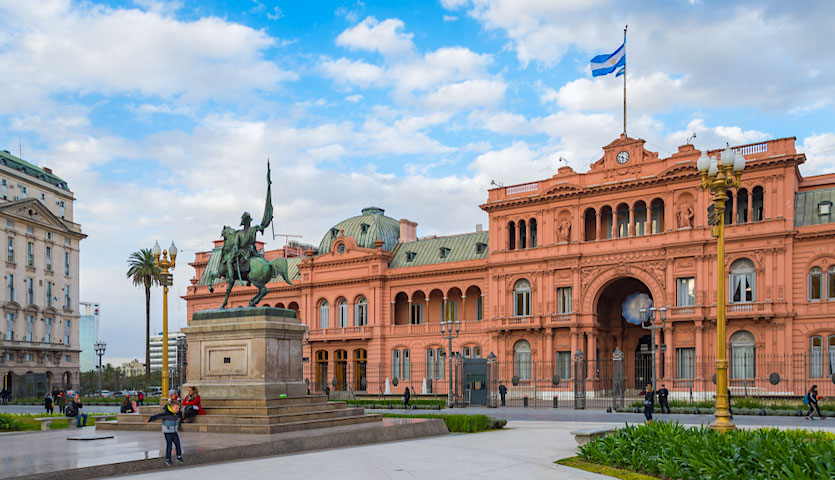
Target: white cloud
710,137
354,72
501,122
467,95
354,98
820,154
372,35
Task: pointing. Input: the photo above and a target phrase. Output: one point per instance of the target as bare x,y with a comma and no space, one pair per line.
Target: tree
143,272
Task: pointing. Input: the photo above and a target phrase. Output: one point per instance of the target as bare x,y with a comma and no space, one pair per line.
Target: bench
100,418
585,436
46,422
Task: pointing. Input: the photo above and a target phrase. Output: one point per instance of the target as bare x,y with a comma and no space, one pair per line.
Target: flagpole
624,80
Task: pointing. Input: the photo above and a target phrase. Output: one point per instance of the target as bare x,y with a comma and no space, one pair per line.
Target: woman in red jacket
191,404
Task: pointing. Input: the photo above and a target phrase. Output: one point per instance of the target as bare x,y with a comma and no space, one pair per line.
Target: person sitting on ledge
191,405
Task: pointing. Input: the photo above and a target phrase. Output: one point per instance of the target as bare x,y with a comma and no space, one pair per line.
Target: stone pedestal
245,353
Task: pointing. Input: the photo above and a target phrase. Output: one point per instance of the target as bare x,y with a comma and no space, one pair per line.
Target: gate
475,381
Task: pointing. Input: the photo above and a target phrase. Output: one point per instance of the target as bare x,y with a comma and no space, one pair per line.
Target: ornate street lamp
651,316
99,348
166,280
718,176
450,330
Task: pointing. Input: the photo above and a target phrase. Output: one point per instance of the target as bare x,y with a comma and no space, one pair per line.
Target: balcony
517,323
434,328
24,345
341,333
560,319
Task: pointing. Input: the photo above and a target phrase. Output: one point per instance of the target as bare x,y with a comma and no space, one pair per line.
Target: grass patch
26,421
672,451
461,423
577,462
392,404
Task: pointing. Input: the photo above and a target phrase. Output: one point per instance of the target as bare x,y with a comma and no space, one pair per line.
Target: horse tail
279,266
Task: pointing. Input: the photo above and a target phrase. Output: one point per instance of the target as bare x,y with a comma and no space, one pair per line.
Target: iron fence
577,382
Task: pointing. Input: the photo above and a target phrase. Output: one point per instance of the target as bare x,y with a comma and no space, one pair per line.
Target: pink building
550,275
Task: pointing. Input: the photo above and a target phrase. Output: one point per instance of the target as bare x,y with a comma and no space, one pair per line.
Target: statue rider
237,260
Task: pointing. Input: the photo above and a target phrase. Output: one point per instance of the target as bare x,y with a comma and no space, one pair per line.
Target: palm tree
143,272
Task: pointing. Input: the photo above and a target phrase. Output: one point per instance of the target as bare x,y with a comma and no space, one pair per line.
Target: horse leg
262,292
228,291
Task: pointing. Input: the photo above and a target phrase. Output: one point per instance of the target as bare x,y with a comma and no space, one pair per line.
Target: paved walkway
38,409
524,450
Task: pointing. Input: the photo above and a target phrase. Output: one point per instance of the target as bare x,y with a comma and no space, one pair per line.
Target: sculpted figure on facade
564,230
685,215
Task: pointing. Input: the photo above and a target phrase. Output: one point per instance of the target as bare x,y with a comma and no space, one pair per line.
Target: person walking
48,404
407,395
649,402
663,393
502,393
3,396
73,410
191,405
170,416
811,399
141,397
61,400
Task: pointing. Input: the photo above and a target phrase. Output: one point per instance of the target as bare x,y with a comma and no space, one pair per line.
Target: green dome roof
365,229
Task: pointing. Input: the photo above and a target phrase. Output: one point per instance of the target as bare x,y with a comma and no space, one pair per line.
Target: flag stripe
606,64
607,70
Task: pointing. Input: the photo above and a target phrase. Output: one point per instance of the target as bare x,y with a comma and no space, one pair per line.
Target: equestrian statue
241,262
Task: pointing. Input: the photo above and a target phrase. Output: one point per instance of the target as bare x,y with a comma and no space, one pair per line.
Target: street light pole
166,280
718,176
452,329
99,348
652,327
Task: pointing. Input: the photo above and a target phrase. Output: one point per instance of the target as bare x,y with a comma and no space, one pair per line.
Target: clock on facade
623,157
341,248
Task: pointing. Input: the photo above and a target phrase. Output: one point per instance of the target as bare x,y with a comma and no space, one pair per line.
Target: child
170,416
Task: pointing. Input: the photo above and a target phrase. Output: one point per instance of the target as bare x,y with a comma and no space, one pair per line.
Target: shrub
672,451
8,423
462,423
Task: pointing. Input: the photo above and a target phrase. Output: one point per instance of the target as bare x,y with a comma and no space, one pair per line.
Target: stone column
464,308
409,313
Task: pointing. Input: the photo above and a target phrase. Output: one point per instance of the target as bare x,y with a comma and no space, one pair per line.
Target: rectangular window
395,364
10,224
67,330
61,207
66,358
43,197
49,258
48,294
10,288
10,321
435,363
816,357
686,363
30,291
29,357
10,251
67,304
30,328
407,367
522,305
564,300
24,192
48,334
451,311
685,292
49,235
323,315
5,191
67,263
564,365
30,254
417,313
30,229
830,283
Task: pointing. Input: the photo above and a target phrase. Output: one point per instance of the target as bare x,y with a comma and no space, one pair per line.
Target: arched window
523,235
743,361
757,204
522,360
729,209
742,281
522,298
590,225
511,236
816,357
606,222
323,314
640,218
532,226
361,312
742,206
830,283
815,284
623,220
342,313
656,216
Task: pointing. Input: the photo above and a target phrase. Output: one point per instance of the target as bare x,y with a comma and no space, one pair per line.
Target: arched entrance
340,369
360,362
613,331
321,370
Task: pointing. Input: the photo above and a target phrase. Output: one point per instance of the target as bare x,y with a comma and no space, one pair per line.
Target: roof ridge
23,165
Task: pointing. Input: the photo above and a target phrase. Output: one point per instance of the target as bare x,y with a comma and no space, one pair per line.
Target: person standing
407,395
170,416
141,398
649,402
73,410
663,393
503,393
48,404
61,400
812,400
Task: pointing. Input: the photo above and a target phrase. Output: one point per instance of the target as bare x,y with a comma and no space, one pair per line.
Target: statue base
252,353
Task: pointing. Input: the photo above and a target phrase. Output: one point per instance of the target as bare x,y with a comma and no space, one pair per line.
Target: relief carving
685,215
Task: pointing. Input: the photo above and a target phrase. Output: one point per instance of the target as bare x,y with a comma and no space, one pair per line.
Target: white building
156,350
39,344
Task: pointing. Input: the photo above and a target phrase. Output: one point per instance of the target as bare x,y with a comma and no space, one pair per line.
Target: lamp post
450,330
718,176
653,315
166,280
99,348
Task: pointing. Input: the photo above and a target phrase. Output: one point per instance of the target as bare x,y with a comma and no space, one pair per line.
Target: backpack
806,399
72,410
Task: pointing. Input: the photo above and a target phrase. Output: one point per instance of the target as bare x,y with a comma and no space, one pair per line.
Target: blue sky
161,115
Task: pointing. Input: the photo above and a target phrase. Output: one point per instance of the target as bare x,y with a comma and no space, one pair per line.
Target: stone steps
249,418
216,425
213,409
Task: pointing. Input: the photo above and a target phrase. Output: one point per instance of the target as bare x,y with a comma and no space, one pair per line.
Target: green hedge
85,400
749,402
673,451
389,403
461,423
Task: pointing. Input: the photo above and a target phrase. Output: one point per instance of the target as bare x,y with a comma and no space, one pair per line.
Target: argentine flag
606,64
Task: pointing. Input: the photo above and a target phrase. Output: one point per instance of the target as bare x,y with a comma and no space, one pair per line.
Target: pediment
563,188
32,210
678,168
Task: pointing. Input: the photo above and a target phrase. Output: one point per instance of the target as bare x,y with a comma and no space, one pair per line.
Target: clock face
341,248
623,157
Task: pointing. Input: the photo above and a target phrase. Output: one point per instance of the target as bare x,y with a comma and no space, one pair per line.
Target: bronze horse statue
260,271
